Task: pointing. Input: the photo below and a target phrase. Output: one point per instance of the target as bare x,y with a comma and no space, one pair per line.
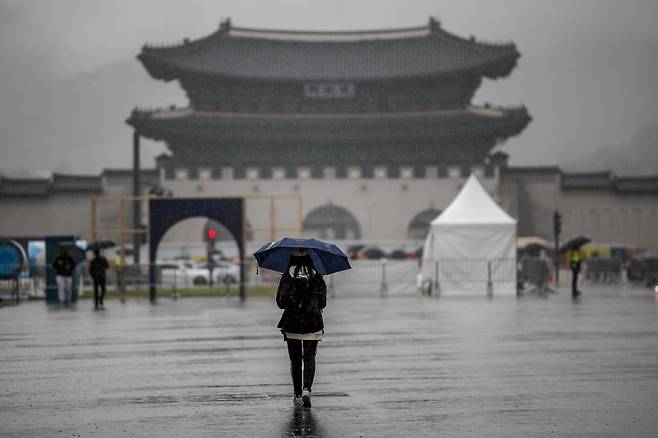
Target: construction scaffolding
267,217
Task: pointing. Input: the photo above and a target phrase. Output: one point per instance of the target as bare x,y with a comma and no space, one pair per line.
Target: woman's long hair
303,265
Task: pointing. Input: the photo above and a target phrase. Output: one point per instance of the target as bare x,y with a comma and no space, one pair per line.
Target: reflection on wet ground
388,367
302,423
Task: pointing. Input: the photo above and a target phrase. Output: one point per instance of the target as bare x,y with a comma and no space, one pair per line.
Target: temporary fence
372,277
468,276
604,269
534,274
403,277
170,280
366,278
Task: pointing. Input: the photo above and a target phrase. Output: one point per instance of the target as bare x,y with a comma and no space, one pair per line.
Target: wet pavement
388,367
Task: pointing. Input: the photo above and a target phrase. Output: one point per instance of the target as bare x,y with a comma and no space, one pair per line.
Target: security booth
52,247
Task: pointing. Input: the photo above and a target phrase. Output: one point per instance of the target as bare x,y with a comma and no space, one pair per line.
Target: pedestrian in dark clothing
302,294
64,266
575,260
97,268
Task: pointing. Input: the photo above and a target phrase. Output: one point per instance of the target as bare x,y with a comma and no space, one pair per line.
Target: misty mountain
77,124
590,101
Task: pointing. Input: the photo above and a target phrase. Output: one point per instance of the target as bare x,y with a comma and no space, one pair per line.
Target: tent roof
473,205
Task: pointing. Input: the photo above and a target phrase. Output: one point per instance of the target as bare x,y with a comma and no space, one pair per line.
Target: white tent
471,246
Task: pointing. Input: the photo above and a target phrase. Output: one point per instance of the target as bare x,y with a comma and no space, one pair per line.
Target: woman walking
302,294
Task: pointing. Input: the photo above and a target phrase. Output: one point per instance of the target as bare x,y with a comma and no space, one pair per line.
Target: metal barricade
466,275
371,277
533,274
604,269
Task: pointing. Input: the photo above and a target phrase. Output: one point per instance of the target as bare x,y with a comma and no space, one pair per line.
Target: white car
186,273
223,272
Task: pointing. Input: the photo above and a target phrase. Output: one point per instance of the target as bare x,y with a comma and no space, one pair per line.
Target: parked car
353,250
372,253
643,268
602,268
186,273
224,272
398,254
408,252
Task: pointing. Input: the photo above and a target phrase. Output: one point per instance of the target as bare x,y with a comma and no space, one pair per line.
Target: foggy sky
69,77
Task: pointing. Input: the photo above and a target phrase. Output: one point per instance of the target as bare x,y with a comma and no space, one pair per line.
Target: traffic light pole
210,236
210,252
557,229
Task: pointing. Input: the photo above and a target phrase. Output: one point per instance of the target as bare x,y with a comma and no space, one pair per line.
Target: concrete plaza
388,367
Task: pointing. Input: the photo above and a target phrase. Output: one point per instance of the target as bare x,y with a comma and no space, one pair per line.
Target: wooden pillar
122,231
243,251
137,203
300,216
94,237
121,272
272,219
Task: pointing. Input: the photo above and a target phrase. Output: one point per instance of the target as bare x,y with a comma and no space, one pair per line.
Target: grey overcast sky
69,77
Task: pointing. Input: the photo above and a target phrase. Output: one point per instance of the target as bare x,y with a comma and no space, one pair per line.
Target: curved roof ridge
226,30
471,40
313,34
324,55
434,28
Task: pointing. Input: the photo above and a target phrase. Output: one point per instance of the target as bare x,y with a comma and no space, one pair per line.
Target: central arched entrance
166,212
420,224
331,222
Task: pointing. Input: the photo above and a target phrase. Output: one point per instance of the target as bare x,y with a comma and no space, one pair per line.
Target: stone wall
383,207
55,214
607,215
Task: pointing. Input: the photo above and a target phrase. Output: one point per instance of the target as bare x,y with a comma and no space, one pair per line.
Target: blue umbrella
327,258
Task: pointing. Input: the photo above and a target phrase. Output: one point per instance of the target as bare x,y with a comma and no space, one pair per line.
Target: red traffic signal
212,234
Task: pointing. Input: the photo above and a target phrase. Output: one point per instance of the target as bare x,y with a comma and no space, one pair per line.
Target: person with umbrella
575,261
97,268
64,266
302,294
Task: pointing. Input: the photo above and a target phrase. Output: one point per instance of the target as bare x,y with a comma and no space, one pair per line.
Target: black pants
574,281
99,283
302,351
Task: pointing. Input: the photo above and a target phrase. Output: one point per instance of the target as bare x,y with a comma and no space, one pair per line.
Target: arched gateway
166,212
332,222
420,224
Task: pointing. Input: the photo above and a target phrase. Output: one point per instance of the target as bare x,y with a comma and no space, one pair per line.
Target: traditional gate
166,212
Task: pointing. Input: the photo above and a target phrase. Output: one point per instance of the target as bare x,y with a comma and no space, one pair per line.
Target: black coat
97,267
302,300
64,265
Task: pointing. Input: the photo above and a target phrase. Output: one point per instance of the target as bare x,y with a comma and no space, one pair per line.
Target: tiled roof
647,184
609,181
76,183
27,187
45,186
591,180
161,124
286,55
531,169
128,172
